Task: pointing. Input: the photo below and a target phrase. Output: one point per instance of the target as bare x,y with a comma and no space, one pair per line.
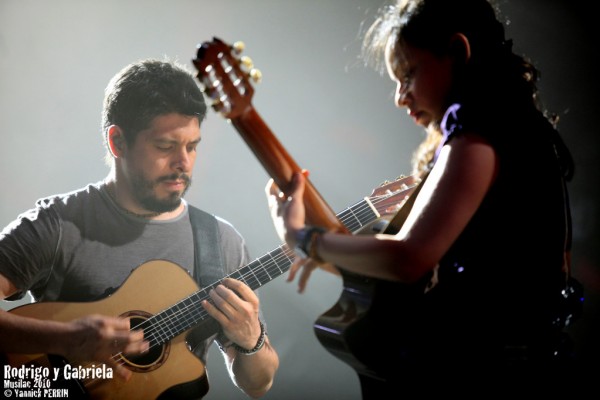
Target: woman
486,241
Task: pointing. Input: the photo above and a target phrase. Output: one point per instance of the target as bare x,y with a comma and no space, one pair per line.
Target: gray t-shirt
80,246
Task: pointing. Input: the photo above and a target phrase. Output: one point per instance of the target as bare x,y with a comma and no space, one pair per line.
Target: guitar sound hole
151,360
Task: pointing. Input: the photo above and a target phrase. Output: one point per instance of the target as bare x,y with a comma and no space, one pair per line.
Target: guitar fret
268,275
349,220
358,215
188,306
239,274
170,329
255,281
158,335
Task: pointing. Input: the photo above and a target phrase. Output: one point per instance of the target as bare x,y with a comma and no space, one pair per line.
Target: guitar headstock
400,183
225,76
390,196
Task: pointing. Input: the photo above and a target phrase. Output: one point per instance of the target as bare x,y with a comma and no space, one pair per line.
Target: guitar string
284,253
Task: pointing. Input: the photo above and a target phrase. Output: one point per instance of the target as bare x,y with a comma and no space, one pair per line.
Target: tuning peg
247,62
238,47
256,75
222,106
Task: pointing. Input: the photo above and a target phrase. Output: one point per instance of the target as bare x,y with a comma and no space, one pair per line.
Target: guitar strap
208,264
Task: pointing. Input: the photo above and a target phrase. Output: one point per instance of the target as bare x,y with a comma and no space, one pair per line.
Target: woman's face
423,81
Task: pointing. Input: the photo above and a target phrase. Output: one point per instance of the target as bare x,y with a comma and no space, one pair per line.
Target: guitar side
361,324
149,289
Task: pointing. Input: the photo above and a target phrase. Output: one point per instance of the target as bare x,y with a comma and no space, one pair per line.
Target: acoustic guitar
166,313
225,76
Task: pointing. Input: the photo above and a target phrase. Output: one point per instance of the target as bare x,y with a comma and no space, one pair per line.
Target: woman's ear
115,140
460,48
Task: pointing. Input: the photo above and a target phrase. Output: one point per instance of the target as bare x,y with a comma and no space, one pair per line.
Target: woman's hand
287,210
288,214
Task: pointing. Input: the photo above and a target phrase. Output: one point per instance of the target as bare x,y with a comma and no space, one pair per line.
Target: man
83,245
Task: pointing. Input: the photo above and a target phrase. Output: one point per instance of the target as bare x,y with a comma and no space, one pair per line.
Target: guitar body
360,329
168,369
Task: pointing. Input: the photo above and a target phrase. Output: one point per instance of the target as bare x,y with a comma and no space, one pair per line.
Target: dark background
334,116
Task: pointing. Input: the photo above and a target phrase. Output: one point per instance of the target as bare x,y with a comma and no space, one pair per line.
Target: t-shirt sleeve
28,247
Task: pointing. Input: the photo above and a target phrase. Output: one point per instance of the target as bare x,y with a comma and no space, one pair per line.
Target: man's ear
460,48
115,140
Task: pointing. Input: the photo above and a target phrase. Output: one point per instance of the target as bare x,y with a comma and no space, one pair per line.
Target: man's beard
143,191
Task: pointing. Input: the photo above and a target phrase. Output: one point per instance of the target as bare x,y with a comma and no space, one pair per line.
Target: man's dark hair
146,89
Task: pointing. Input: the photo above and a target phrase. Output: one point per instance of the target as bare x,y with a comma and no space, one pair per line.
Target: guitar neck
281,167
188,312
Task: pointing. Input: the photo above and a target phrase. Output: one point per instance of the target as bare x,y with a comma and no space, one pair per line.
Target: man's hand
101,338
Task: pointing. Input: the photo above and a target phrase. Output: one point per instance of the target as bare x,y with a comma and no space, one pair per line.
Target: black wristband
305,240
259,344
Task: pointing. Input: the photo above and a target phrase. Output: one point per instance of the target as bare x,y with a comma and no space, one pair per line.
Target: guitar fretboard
188,312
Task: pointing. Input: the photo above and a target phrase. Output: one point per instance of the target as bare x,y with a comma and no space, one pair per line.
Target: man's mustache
175,177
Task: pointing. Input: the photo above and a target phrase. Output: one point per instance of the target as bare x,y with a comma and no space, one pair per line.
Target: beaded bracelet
259,344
